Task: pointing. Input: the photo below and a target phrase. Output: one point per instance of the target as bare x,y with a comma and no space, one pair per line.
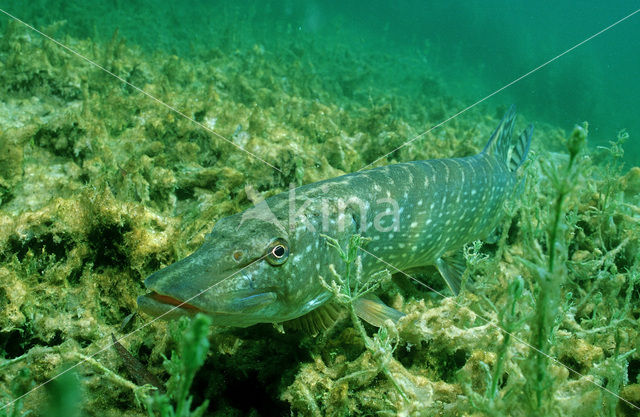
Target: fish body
265,264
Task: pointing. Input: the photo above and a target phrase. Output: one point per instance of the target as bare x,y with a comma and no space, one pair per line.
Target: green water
476,47
102,185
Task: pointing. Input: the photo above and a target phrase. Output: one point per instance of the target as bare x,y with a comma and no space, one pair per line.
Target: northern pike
264,265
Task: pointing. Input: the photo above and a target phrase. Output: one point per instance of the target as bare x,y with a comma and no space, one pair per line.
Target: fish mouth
160,305
166,299
157,304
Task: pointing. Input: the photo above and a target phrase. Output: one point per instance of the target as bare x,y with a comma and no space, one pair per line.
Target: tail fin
502,146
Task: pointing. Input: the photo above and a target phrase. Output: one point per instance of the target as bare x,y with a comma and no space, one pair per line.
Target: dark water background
475,47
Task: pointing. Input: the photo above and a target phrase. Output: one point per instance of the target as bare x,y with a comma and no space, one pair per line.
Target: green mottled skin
442,204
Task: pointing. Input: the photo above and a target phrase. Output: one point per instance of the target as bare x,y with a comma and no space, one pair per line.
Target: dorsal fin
502,146
520,149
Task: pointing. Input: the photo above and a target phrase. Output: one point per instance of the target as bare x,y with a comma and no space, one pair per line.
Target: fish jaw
152,305
166,307
173,290
192,286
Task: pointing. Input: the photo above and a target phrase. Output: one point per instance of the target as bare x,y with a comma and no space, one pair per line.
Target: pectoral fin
372,310
452,269
316,320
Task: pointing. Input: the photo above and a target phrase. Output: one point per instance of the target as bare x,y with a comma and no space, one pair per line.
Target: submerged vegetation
194,346
100,186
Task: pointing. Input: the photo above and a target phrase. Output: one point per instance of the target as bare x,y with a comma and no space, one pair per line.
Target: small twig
31,352
137,390
136,369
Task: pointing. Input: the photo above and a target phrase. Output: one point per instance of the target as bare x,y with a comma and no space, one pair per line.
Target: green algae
194,346
100,186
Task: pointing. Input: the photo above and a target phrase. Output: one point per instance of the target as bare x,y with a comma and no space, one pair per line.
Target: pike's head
249,270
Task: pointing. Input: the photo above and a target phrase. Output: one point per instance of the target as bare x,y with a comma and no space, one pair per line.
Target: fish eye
237,255
278,252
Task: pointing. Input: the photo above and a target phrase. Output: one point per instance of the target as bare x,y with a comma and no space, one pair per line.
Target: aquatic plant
551,277
348,289
182,367
494,399
64,396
